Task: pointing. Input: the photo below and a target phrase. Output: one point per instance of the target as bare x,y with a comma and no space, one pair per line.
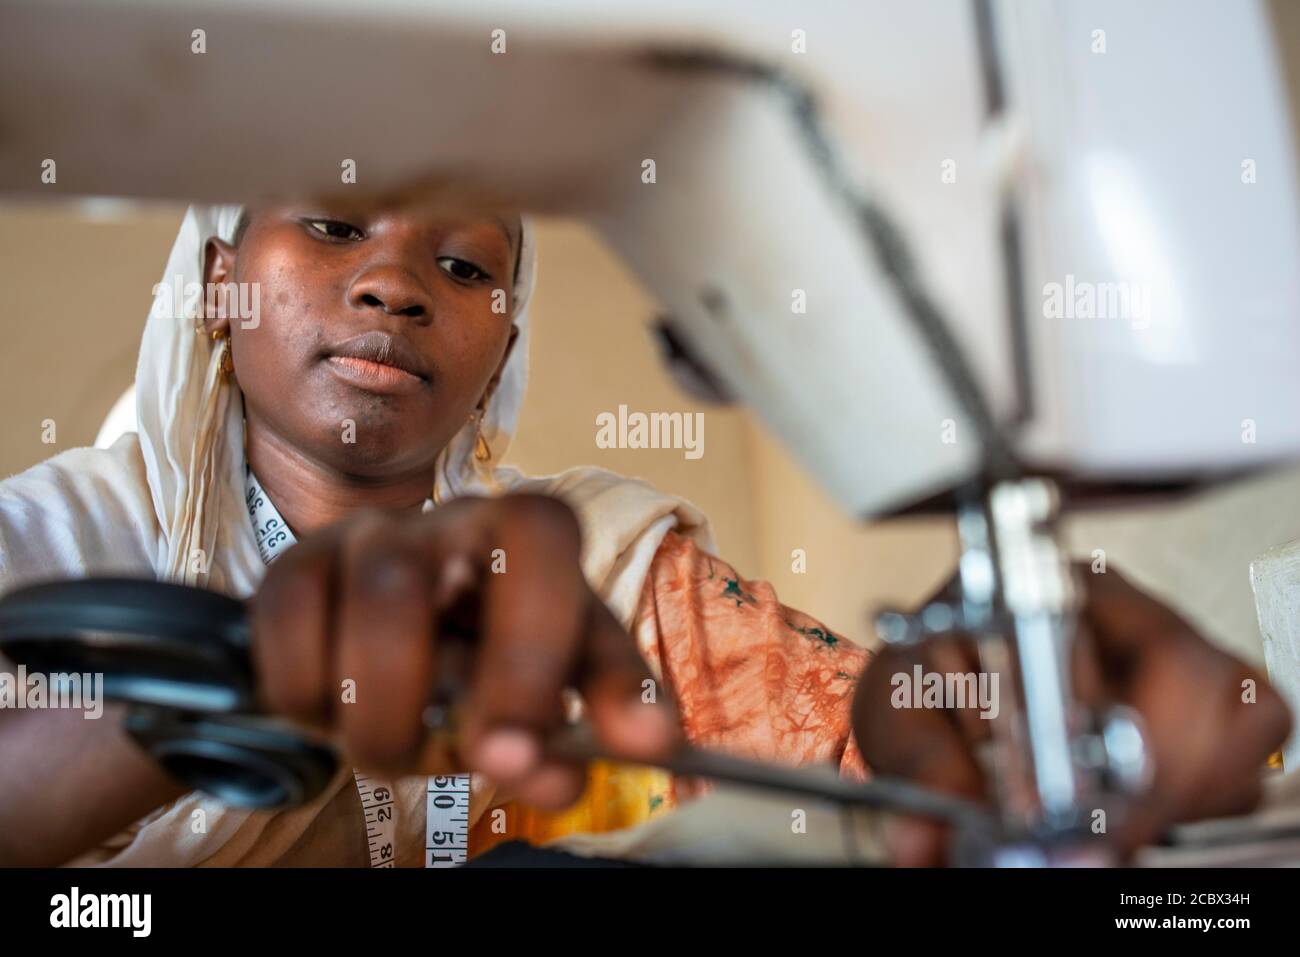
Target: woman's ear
500,370
218,269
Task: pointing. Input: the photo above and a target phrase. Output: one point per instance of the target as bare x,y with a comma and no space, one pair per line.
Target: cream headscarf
169,501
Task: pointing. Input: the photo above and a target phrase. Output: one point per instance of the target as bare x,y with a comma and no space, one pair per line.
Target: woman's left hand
1210,719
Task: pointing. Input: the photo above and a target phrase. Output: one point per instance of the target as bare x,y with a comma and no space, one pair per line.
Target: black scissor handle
245,760
180,658
155,642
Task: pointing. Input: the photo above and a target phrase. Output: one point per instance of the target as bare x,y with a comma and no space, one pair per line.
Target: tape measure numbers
446,816
381,820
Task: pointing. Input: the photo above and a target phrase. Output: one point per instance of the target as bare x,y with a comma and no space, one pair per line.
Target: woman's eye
462,270
334,229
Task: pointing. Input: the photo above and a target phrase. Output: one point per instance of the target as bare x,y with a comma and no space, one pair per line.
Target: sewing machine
1026,252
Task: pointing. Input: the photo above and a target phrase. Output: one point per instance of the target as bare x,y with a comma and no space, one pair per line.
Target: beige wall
591,352
74,294
73,297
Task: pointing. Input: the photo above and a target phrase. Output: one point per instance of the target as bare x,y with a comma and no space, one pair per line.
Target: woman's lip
375,376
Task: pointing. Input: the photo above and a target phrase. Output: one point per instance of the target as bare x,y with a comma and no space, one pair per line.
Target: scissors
179,658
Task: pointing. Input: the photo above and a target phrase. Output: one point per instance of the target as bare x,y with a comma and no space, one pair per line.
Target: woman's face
378,333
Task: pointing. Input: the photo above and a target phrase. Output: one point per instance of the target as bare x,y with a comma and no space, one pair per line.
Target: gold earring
481,450
227,359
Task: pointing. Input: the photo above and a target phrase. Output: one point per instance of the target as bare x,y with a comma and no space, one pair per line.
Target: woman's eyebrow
505,229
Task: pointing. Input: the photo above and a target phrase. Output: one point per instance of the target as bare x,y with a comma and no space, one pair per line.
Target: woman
362,414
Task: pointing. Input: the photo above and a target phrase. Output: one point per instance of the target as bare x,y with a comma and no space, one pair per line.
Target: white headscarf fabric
168,501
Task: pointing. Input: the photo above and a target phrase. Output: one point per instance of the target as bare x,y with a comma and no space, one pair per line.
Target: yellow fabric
617,796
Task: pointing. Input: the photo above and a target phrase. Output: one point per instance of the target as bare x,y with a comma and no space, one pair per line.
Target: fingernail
649,717
646,729
508,753
456,575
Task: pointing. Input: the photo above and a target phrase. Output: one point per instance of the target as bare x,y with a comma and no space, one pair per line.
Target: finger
1126,623
535,616
956,659
385,645
1208,759
1253,722
553,785
290,619
922,745
1206,737
1089,680
631,713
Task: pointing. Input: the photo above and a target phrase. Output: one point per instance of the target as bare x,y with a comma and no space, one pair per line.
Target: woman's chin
374,453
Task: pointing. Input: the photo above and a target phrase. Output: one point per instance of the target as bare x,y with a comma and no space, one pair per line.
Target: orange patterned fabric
749,675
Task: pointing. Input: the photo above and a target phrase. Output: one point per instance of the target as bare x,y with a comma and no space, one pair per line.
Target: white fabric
168,501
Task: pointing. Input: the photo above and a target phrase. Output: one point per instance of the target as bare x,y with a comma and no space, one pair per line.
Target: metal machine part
1059,771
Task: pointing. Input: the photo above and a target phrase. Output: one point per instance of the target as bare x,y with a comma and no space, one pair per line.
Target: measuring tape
381,818
446,805
446,821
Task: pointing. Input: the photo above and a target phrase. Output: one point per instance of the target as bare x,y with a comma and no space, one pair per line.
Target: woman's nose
394,290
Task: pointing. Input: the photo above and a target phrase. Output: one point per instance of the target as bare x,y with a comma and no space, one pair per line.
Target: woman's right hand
350,629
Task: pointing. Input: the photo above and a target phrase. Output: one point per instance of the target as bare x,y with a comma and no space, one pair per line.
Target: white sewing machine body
1149,171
